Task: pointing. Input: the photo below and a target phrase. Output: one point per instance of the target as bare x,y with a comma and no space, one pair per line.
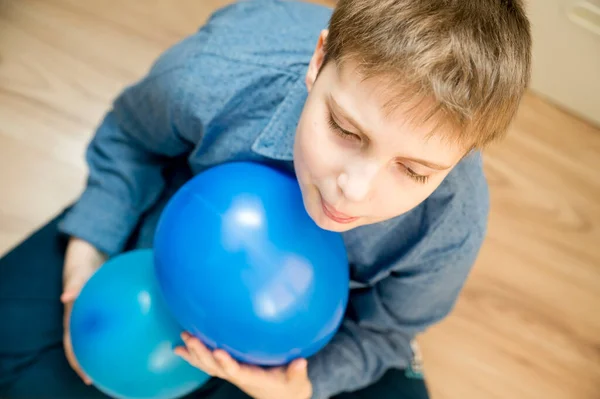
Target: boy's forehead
373,102
382,92
378,94
394,104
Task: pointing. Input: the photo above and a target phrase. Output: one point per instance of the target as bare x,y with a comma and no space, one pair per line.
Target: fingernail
301,363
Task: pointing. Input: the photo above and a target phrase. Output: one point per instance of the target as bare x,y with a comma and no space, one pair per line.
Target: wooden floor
527,325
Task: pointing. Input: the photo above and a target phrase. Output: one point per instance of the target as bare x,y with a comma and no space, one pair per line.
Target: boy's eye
341,132
413,175
354,137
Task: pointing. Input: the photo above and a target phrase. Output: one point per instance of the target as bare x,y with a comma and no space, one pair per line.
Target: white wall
566,54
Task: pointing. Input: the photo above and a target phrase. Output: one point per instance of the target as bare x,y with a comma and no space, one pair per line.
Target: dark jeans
32,361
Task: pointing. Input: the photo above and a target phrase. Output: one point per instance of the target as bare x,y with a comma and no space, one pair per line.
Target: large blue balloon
243,267
123,336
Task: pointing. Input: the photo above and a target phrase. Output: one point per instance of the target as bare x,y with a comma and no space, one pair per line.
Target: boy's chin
339,228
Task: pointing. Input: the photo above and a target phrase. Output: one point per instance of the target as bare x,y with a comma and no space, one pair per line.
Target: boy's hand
290,382
81,261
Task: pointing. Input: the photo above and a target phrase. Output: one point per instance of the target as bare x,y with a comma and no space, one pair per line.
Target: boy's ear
316,62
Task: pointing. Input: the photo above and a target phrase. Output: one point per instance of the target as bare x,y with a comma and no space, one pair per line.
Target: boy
381,123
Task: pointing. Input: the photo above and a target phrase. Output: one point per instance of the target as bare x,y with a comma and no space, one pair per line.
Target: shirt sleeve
158,119
383,319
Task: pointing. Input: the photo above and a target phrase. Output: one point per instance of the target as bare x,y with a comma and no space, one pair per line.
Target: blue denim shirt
234,91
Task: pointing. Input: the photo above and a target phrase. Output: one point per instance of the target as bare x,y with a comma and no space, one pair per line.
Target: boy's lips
336,216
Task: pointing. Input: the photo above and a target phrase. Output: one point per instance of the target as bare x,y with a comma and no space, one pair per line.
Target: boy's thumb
72,286
69,294
298,368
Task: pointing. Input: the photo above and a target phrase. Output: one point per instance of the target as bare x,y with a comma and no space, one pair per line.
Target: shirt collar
276,141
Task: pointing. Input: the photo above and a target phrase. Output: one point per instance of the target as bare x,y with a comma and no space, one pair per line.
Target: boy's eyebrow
344,114
427,163
341,111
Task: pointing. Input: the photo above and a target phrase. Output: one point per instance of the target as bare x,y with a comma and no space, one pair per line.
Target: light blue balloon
123,335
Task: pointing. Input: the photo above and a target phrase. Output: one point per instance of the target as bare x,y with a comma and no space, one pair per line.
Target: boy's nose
356,181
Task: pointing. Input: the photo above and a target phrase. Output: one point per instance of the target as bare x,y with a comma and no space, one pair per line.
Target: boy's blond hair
467,60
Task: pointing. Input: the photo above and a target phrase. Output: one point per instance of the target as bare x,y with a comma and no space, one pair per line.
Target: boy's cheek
319,155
